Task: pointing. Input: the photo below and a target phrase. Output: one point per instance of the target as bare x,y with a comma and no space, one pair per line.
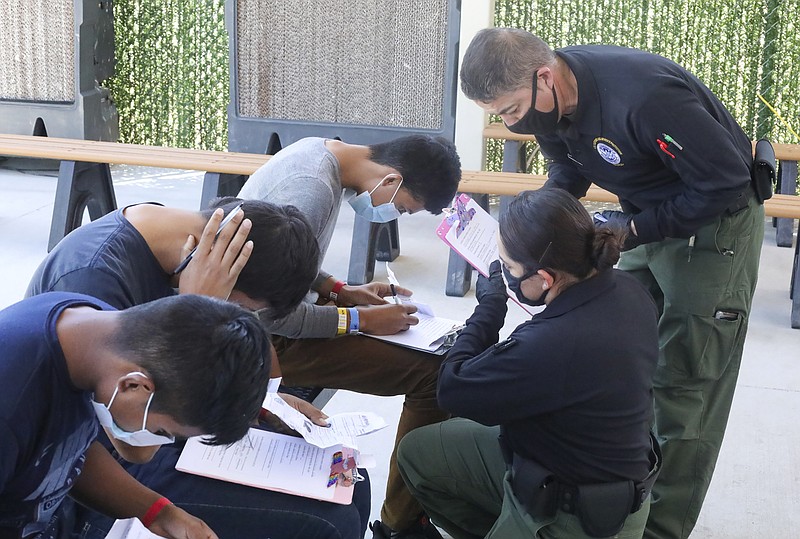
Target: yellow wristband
343,325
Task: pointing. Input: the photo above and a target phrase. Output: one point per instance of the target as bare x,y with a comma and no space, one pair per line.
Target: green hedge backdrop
171,82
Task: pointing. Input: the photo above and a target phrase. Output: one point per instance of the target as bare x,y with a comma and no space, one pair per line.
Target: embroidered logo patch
608,151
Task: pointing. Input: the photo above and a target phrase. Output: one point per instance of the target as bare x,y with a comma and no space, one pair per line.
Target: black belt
602,508
742,201
567,494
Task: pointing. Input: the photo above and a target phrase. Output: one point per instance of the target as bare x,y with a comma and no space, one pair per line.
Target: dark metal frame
92,115
265,135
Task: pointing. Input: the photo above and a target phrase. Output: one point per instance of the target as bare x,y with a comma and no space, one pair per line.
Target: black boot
422,529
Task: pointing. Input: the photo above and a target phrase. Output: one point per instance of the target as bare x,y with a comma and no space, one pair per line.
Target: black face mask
515,283
535,122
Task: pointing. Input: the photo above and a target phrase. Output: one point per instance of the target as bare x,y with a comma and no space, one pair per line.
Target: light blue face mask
383,213
140,438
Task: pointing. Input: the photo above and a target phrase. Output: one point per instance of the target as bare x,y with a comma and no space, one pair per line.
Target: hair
430,167
502,60
285,259
209,360
550,229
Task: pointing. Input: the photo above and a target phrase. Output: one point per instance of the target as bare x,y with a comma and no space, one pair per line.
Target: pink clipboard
471,231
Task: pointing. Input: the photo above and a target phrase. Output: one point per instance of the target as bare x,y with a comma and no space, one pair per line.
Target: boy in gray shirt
317,343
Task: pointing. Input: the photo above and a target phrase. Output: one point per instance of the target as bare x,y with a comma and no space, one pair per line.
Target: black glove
619,220
491,285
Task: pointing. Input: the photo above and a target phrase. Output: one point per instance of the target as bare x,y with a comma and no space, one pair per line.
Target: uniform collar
578,294
587,117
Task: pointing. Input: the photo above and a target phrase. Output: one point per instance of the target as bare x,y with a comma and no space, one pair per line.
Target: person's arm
499,382
105,486
562,171
376,316
9,452
713,166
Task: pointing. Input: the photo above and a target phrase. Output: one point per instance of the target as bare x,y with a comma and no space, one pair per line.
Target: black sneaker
422,529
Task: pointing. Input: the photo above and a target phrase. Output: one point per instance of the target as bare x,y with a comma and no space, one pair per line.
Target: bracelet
341,327
353,320
154,511
334,295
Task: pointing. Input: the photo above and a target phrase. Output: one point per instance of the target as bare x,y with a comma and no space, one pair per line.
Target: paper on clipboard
428,335
472,233
272,461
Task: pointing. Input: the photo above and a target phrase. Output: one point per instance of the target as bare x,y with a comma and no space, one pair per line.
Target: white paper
427,335
274,384
266,460
422,308
342,430
476,239
391,276
130,528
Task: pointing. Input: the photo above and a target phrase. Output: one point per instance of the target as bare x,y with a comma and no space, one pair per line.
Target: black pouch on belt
602,508
535,487
763,173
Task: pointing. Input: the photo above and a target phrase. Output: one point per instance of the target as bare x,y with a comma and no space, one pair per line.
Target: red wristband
154,511
335,290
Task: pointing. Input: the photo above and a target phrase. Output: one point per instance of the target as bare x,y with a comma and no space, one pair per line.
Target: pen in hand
225,221
392,283
394,295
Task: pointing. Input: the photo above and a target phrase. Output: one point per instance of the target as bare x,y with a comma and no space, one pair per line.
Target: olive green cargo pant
704,293
457,472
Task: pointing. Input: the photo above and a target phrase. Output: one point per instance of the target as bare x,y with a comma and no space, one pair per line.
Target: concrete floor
756,489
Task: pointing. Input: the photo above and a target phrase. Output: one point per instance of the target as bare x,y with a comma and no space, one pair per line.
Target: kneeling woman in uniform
552,437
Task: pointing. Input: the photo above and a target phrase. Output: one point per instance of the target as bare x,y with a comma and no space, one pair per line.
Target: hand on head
216,263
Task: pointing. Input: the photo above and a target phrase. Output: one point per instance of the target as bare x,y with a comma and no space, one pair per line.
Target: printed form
265,460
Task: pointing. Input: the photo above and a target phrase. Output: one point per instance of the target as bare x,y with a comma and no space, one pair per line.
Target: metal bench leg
459,276
368,245
788,186
388,242
80,186
794,291
217,184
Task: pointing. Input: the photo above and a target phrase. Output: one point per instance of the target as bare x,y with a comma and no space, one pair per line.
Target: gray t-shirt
306,175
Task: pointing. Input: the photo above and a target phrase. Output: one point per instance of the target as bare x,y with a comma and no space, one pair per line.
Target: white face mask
383,213
140,438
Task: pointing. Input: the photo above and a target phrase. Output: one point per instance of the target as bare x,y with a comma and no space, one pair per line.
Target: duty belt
602,508
742,201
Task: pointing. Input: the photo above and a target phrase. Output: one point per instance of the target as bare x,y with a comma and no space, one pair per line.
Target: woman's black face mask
535,122
515,284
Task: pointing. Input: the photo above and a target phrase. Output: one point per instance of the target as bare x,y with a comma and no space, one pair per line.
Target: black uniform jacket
572,387
650,132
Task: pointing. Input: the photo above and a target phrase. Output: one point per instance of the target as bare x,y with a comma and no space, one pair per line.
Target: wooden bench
784,206
84,182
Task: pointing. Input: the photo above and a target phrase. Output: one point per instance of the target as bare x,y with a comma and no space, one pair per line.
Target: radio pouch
763,173
602,508
535,487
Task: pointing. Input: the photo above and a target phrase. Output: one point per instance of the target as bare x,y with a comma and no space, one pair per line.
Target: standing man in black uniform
649,131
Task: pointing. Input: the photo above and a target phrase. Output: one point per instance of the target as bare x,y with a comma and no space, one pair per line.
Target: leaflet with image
272,461
472,233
